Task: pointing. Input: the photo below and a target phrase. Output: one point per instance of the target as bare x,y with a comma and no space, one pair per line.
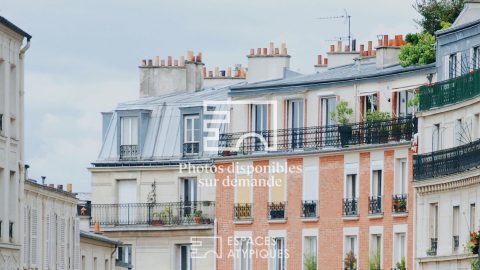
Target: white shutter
472,59
26,235
310,179
46,243
63,240
33,237
459,64
446,67
76,251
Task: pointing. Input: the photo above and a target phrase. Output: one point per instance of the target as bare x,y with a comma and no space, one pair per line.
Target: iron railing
129,151
350,207
399,203
450,91
277,210
156,214
318,137
456,242
445,162
433,247
309,209
243,211
375,205
190,149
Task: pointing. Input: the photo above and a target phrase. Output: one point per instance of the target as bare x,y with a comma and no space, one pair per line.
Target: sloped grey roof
340,74
99,237
162,139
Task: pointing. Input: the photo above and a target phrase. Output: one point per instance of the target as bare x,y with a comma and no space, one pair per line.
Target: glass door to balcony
185,257
329,105
189,195
259,122
127,199
295,123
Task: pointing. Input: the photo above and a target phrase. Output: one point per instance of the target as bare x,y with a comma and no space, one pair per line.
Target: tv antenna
347,19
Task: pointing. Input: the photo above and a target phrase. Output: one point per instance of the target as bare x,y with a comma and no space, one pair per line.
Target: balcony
243,211
444,162
309,209
375,205
433,247
350,207
399,203
450,91
316,138
276,211
154,214
129,152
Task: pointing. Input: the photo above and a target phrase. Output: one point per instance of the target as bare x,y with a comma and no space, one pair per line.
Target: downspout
24,49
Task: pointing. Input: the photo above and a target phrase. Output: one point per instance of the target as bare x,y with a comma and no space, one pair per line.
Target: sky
84,56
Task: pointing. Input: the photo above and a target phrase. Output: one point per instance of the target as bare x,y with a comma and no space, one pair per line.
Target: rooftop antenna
347,19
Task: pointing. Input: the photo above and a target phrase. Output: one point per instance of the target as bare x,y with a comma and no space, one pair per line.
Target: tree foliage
434,12
420,49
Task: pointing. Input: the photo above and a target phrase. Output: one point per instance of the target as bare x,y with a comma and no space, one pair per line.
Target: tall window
295,122
328,106
403,97
309,251
350,252
244,256
476,58
433,226
400,247
401,179
279,258
124,255
436,137
129,131
460,135
191,136
351,186
189,195
473,224
369,104
377,183
455,227
259,122
185,257
452,66
376,249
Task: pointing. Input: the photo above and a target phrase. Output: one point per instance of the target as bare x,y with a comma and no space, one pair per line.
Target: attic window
191,136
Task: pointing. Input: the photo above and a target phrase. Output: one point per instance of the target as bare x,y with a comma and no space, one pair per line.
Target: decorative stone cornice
450,182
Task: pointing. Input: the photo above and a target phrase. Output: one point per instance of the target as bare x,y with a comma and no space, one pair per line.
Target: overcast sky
84,56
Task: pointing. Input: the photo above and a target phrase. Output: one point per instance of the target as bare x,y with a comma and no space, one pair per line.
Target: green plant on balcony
377,130
156,219
431,252
474,264
198,216
374,261
473,242
350,261
310,262
342,115
401,265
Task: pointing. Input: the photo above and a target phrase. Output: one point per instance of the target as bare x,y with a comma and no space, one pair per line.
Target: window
401,181
259,122
476,58
185,258
279,258
455,227
244,259
350,202
400,247
351,185
189,195
124,255
95,266
473,225
403,97
460,137
129,130
376,249
1,122
329,105
191,136
83,263
377,183
452,66
295,122
433,227
369,104
350,252
309,250
436,137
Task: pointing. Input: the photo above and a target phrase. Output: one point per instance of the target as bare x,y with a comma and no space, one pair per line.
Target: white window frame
189,130
327,108
263,118
401,176
399,229
272,263
189,256
376,166
129,130
309,233
240,236
373,100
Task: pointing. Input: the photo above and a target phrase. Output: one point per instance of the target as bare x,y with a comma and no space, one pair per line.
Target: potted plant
157,219
431,252
474,242
198,217
342,117
377,132
350,261
310,262
374,260
401,265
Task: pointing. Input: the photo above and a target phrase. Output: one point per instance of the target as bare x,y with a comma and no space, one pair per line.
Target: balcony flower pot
473,244
157,222
345,134
198,217
226,153
431,252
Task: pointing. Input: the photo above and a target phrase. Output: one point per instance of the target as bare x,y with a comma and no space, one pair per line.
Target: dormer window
191,136
129,137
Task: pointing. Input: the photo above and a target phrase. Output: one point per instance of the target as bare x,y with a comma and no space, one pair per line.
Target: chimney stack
268,64
69,188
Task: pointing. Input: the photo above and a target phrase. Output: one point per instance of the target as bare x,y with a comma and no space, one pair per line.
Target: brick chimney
267,65
388,51
340,57
322,64
171,75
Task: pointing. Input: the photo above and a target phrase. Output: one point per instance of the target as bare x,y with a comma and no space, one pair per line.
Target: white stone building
446,170
12,57
98,252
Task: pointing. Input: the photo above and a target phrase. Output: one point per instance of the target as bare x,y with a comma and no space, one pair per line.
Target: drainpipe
25,48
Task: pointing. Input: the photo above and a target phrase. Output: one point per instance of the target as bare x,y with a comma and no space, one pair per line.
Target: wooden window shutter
34,237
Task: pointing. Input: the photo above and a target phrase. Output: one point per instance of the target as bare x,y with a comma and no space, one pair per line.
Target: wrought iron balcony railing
155,214
243,211
309,209
277,210
444,162
456,242
450,91
315,138
350,207
375,205
399,203
433,247
129,151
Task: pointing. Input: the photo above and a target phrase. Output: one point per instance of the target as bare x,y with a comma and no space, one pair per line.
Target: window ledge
400,215
243,221
375,216
309,219
277,221
351,217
